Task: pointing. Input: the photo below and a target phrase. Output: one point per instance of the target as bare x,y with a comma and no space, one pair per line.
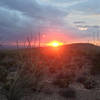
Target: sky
63,20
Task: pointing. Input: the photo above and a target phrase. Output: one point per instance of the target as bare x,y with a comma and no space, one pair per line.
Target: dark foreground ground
69,72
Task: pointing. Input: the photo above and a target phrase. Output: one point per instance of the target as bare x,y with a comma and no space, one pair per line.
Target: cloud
87,27
32,8
60,3
12,22
19,18
89,7
79,22
83,28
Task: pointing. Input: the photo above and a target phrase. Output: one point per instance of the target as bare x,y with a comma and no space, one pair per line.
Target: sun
55,44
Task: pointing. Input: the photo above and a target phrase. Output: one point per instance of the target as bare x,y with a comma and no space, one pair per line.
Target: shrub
90,84
3,74
62,83
81,79
96,65
68,93
28,77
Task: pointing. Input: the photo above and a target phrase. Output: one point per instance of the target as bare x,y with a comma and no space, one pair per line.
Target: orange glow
55,44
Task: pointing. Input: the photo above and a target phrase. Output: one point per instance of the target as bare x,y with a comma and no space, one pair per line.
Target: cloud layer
19,18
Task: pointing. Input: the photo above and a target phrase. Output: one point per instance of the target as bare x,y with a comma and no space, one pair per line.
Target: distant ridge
81,45
84,47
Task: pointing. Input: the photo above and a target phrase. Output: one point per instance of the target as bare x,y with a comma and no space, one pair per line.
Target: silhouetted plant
26,80
68,93
96,64
23,84
88,83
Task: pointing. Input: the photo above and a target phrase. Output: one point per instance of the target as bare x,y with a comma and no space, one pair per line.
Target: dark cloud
79,22
18,17
89,26
12,22
32,8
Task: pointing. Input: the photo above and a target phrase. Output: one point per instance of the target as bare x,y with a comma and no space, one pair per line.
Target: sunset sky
62,20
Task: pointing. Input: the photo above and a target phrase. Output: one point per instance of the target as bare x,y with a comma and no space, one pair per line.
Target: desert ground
70,72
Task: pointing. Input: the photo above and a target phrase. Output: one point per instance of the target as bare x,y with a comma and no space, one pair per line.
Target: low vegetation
23,71
68,93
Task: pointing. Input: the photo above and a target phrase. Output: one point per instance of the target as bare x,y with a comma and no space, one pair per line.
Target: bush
88,83
62,83
96,65
68,93
3,74
81,80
